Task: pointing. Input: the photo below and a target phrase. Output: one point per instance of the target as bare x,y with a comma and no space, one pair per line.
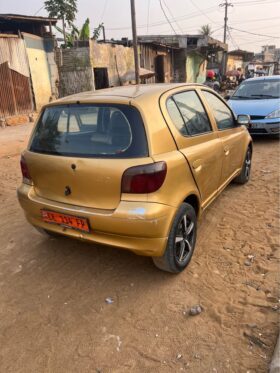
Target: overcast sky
187,16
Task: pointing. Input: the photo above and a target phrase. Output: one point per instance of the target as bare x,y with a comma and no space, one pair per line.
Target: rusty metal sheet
13,51
15,93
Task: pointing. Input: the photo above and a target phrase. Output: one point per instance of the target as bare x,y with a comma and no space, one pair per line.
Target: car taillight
26,178
144,179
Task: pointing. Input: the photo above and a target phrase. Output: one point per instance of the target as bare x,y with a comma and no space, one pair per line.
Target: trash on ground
195,310
109,300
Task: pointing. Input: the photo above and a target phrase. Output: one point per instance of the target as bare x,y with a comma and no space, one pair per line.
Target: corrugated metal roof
25,18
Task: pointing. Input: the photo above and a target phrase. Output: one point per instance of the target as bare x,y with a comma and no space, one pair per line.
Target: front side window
188,114
86,130
221,112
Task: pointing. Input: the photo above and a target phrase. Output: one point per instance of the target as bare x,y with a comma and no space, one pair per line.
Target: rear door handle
226,150
197,165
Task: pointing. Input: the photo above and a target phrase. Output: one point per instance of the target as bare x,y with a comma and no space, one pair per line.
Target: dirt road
53,314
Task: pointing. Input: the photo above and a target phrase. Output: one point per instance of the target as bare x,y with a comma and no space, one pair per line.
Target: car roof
126,92
260,78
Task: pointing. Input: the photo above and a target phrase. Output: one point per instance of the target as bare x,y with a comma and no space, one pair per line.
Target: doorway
101,77
159,69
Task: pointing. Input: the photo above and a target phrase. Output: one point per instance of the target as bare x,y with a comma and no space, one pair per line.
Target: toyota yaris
133,167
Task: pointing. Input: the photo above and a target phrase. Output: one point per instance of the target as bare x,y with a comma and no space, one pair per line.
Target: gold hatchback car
133,167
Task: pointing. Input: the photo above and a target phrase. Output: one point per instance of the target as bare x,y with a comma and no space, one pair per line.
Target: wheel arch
194,201
250,145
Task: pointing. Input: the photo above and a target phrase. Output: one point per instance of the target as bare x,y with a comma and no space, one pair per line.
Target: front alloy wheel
244,176
181,241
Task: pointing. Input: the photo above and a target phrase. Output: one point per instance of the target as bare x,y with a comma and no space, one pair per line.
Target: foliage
205,30
97,31
70,36
85,32
62,9
76,34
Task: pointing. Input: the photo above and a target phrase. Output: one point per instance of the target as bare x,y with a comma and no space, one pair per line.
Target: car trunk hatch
79,152
94,183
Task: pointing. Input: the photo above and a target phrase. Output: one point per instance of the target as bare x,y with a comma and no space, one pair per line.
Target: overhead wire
148,16
255,2
202,12
167,19
104,10
253,33
167,7
38,10
232,39
255,20
162,22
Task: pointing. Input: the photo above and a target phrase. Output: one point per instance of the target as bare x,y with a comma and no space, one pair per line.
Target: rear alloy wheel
244,176
181,241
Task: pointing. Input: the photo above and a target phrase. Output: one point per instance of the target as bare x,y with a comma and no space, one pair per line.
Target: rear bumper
141,227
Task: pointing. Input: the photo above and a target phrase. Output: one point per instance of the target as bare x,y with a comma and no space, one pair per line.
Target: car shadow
66,258
264,139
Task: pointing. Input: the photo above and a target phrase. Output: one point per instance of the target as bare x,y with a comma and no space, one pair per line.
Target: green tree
63,9
205,30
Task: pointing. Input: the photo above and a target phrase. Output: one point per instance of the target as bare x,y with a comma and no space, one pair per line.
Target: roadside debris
195,310
255,340
179,356
266,171
249,261
109,300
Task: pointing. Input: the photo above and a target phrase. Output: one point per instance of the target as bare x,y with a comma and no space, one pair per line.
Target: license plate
256,125
64,220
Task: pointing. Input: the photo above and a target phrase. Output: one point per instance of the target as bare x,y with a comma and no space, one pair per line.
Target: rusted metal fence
15,86
15,93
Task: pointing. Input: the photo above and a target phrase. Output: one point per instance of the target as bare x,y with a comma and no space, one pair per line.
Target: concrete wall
75,71
234,62
180,71
195,68
39,69
116,58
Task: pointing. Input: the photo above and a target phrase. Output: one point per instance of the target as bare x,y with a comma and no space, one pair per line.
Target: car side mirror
243,119
227,97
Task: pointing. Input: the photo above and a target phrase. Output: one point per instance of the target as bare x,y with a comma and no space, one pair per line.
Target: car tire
181,241
244,175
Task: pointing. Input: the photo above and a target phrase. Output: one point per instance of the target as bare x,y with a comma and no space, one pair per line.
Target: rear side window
113,131
222,113
188,114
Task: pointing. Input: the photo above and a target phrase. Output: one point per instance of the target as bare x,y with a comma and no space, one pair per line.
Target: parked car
259,98
133,167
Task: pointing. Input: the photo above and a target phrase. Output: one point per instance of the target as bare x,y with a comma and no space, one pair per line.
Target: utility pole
134,35
103,31
226,4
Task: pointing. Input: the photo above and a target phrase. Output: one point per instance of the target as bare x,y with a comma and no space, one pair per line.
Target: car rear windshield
258,89
105,131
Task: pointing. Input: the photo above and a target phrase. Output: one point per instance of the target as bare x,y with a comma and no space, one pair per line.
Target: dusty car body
137,177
